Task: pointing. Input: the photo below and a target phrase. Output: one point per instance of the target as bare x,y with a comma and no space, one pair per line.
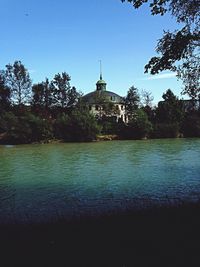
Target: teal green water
46,182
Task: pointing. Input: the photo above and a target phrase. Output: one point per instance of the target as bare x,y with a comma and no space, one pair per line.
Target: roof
101,81
91,98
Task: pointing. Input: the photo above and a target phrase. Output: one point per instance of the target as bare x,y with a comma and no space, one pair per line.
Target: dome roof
101,82
92,97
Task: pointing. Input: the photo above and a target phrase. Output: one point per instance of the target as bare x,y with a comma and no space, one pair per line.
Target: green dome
101,82
92,97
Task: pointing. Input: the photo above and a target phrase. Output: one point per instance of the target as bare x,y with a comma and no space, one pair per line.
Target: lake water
47,182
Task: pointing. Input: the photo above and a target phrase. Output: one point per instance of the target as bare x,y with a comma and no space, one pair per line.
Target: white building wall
119,113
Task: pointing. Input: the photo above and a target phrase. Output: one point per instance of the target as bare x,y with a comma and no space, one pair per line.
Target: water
47,182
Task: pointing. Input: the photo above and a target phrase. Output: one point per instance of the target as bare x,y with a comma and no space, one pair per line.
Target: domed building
105,103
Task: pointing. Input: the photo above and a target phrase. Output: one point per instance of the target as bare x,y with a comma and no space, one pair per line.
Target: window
122,107
97,107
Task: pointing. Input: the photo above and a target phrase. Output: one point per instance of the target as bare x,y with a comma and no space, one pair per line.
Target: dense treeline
54,110
41,112
172,117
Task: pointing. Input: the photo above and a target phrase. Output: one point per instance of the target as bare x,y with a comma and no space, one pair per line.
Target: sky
53,36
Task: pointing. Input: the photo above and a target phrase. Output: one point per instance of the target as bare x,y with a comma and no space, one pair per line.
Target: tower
101,84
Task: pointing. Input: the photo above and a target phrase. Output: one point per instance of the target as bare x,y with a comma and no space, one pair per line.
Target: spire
100,70
101,84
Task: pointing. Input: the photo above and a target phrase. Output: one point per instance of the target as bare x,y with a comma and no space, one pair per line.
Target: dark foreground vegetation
166,236
54,110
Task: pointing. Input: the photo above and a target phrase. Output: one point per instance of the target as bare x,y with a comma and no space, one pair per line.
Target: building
103,103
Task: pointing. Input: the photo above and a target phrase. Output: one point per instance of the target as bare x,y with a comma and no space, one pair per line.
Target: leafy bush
165,130
80,125
191,125
139,127
24,129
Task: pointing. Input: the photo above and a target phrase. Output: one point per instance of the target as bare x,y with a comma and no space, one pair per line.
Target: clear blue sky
51,36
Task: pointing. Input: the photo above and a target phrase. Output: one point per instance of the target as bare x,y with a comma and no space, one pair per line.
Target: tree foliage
170,110
147,98
73,97
24,129
142,127
65,96
56,93
79,125
56,110
4,94
191,125
138,127
18,80
179,50
186,11
132,101
43,95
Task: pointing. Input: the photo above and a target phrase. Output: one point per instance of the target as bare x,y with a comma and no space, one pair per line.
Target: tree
190,75
4,94
181,46
38,95
147,105
185,11
24,129
141,125
19,82
132,101
79,125
8,124
169,116
61,84
72,97
48,94
138,127
64,95
147,98
191,125
170,110
43,96
83,126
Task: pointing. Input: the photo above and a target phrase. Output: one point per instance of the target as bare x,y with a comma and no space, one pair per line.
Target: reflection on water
45,182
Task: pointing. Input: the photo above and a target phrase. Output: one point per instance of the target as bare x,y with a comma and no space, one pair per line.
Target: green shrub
24,129
165,130
80,125
191,125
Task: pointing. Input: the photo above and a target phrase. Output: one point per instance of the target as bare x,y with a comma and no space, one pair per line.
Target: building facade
105,103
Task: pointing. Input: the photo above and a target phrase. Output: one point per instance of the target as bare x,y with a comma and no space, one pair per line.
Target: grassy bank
158,237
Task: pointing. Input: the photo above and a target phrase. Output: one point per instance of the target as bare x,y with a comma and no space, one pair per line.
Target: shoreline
99,138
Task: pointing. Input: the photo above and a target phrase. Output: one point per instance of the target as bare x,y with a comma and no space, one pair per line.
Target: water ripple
43,182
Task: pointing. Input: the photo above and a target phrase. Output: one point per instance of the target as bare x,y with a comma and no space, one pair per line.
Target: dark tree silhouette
132,101
170,110
61,84
181,46
43,97
4,94
64,95
18,80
